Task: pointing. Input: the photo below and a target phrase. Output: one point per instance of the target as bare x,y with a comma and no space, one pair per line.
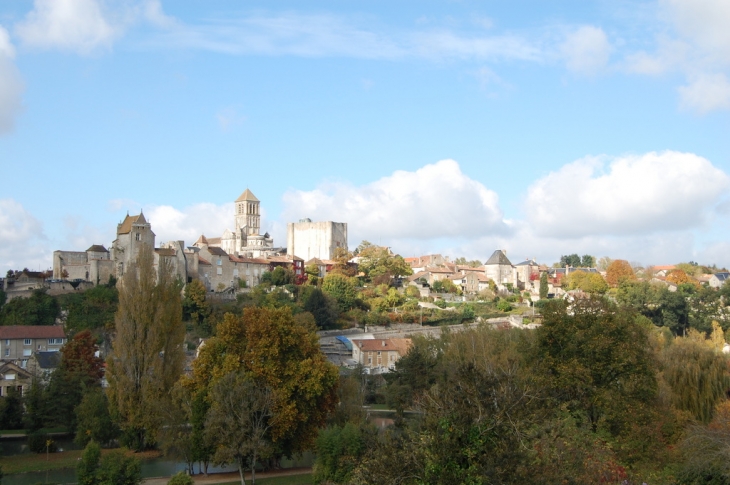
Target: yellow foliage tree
619,271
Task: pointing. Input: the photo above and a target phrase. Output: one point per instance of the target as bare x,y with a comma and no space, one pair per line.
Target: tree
697,375
91,309
679,277
342,289
322,306
280,276
339,449
88,466
543,285
572,260
380,265
39,309
194,304
116,468
94,423
619,271
587,281
11,410
603,263
588,261
147,352
270,347
595,359
240,420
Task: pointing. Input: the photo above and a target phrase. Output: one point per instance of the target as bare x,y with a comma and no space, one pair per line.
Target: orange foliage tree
679,276
619,271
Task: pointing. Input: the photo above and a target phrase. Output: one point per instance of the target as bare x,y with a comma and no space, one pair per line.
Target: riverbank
39,462
290,476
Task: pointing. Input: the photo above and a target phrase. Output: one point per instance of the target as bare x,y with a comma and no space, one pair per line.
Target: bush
180,478
504,306
37,443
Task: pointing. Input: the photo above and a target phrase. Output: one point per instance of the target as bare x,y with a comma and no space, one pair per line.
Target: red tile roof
31,331
371,345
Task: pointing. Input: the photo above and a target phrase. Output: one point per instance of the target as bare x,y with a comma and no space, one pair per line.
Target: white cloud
86,26
11,85
704,23
696,43
22,240
586,50
667,191
435,201
74,25
171,224
707,92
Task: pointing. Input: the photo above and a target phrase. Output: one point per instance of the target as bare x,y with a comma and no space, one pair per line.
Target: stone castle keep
238,258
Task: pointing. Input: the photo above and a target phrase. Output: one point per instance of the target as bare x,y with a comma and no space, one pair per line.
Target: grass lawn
291,480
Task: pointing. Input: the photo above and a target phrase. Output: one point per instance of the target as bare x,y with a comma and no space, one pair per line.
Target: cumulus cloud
22,240
74,25
11,85
171,224
704,23
86,26
586,50
707,92
437,200
667,191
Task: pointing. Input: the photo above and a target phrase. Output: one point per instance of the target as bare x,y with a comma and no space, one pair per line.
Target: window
9,377
7,352
55,341
27,352
24,363
219,271
27,342
220,262
7,342
136,237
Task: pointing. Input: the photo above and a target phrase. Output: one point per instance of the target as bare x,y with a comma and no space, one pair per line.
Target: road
214,478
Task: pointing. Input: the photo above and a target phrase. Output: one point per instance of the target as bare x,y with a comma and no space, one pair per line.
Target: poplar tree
147,355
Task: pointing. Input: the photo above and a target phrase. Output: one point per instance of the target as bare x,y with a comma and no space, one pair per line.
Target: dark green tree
339,450
39,309
88,466
323,307
342,289
11,410
572,260
588,261
93,419
543,285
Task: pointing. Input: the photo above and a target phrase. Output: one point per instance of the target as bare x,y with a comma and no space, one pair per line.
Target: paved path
214,478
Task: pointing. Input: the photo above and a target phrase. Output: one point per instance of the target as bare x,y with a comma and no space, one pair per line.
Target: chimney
383,343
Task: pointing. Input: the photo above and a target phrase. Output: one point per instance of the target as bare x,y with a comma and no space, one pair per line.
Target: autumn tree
380,265
270,347
680,277
194,304
619,271
239,420
147,352
587,281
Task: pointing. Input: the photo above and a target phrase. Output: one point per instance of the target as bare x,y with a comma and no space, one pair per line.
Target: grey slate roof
722,276
48,360
498,257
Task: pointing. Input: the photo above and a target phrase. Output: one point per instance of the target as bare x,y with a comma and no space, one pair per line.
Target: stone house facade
379,354
19,342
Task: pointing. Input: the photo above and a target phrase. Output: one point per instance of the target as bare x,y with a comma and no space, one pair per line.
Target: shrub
504,306
180,478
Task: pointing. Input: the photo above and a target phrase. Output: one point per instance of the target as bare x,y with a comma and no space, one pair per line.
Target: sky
453,127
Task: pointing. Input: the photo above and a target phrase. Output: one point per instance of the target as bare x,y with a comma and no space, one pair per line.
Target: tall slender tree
147,351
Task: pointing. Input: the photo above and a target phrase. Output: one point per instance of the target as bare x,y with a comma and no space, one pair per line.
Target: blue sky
544,128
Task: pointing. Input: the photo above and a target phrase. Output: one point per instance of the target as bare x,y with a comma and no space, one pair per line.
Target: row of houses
28,352
498,270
